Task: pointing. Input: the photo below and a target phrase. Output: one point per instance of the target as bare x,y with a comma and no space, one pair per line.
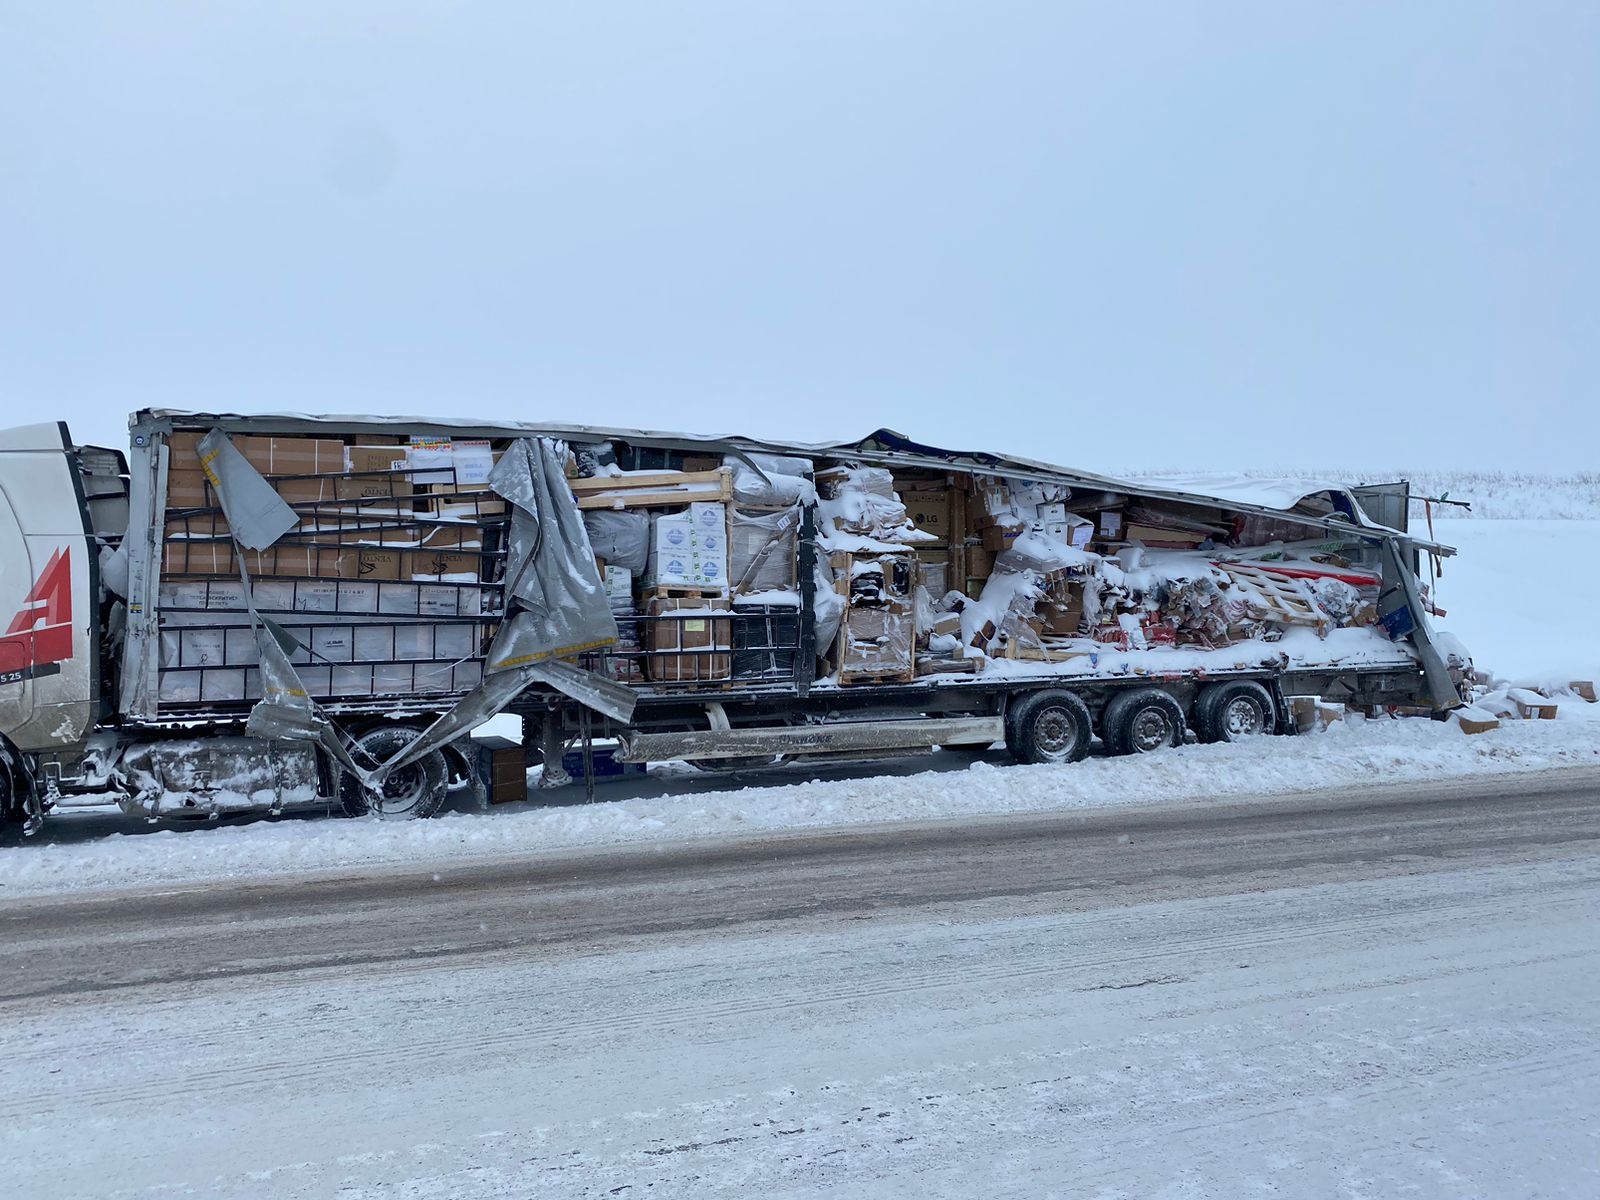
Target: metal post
588,754
805,667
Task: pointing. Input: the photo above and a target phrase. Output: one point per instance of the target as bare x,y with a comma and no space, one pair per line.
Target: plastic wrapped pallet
621,537
761,548
775,480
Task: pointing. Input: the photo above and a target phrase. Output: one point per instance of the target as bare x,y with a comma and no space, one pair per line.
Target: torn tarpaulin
555,602
257,515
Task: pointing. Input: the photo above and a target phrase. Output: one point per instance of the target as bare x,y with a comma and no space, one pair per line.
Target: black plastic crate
766,641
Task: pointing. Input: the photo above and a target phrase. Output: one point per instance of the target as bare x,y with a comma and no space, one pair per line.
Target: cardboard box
1531,706
877,641
289,455
690,548
1312,713
980,562
446,600
503,768
308,491
929,510
619,588
189,489
372,487
374,564
992,500
1062,620
998,538
933,567
687,625
442,566
1471,721
333,643
1583,688
1163,539
183,450
1110,524
316,596
182,556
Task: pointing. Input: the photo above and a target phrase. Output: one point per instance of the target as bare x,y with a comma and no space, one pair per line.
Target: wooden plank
646,498
653,480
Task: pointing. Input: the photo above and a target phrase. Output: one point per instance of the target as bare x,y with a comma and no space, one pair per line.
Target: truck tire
1231,712
415,791
1141,721
1049,727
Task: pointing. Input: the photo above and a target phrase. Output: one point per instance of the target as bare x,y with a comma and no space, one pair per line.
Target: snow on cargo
357,594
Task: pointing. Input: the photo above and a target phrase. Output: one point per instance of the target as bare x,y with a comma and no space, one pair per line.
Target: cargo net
391,584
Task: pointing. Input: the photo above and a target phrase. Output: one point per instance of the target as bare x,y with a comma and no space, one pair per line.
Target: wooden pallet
673,592
654,489
1282,600
853,677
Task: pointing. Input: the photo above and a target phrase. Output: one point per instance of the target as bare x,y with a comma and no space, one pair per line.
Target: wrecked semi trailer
258,612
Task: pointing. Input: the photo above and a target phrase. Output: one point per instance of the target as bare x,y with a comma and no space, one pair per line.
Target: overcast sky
1109,234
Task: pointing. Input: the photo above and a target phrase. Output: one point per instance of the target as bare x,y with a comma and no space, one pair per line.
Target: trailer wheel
415,791
1231,712
1049,727
1142,721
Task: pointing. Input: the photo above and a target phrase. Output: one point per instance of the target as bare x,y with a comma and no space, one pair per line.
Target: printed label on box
431,460
472,459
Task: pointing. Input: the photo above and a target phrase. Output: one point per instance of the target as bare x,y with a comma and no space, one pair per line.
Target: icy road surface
1389,993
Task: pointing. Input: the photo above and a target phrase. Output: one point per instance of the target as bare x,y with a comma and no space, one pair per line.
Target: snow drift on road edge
1348,755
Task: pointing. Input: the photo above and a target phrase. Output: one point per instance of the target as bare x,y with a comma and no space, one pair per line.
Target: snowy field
1515,596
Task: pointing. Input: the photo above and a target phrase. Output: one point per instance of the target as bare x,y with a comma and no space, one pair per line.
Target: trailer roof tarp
886,446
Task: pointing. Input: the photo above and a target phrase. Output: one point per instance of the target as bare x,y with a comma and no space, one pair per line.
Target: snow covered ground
682,803
1521,596
1429,1035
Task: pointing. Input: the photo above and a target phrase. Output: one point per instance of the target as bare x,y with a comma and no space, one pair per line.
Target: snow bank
1348,755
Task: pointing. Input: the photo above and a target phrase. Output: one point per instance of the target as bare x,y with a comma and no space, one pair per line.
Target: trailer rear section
757,604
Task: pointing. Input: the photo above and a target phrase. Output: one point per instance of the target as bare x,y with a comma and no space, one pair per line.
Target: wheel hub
1242,718
1151,731
1055,733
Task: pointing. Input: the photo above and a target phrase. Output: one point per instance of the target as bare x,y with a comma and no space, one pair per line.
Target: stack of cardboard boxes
384,583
